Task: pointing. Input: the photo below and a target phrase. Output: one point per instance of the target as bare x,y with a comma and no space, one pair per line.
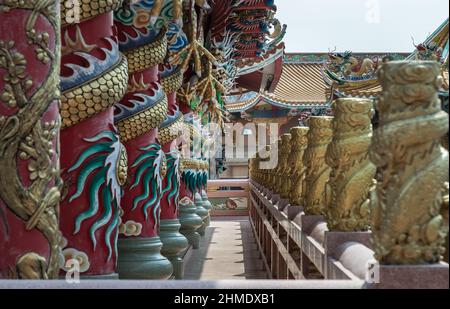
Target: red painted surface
73,144
133,151
104,28
251,81
150,77
185,192
94,31
168,207
277,74
172,103
15,240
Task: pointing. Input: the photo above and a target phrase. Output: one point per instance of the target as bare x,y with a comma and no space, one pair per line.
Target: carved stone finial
285,170
299,143
273,182
412,165
266,173
318,172
351,177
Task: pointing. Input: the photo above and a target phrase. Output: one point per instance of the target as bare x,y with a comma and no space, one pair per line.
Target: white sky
359,25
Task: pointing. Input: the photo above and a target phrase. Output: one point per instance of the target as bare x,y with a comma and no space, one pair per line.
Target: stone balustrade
361,204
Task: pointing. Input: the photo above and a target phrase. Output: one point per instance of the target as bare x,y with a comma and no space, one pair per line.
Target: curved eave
258,64
441,38
301,86
264,98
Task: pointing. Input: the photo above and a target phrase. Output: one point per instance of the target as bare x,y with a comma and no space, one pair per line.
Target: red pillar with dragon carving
138,117
174,243
93,161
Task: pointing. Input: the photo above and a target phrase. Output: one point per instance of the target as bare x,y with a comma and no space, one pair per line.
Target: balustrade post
407,227
351,178
317,171
30,185
285,171
347,191
266,172
274,174
299,143
298,147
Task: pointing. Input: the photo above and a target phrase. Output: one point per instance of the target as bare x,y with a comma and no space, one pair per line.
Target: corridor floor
228,251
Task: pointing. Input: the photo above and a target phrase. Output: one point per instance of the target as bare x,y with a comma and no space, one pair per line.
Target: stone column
317,171
93,161
352,173
30,239
299,145
408,229
138,117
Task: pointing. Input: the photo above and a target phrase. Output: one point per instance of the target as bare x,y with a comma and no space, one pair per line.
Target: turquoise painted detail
148,173
98,164
173,177
189,178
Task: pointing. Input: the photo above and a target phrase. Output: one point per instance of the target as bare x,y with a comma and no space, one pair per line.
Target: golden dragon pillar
317,171
299,145
407,224
352,173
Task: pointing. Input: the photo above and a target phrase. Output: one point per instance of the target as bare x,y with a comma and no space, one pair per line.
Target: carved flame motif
406,221
173,178
99,163
149,173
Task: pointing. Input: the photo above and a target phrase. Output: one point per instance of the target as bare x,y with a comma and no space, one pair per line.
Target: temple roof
348,74
300,84
313,80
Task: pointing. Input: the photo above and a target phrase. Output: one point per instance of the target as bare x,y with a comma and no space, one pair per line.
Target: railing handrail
182,284
244,183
